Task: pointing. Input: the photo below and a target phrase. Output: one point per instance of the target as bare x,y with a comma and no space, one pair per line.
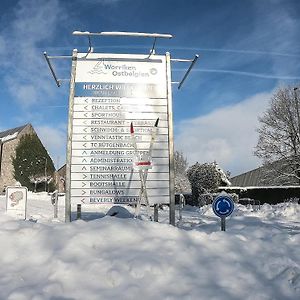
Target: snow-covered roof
250,178
11,133
222,173
260,187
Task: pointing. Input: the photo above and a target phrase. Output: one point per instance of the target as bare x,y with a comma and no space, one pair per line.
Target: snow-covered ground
258,257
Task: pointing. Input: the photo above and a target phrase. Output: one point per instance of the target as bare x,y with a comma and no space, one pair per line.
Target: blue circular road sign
223,206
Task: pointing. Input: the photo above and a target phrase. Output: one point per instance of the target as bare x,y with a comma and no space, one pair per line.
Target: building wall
8,152
60,179
268,194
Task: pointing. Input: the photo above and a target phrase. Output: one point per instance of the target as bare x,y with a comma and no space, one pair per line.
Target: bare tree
279,138
182,184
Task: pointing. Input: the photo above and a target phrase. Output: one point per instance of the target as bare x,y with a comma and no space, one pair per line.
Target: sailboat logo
99,68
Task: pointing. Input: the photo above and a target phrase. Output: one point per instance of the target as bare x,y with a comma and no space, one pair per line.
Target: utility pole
45,174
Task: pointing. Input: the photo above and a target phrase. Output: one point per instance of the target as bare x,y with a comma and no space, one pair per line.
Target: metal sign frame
168,98
168,60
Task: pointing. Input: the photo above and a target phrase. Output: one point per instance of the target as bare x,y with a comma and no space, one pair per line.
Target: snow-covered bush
235,197
292,200
205,179
206,198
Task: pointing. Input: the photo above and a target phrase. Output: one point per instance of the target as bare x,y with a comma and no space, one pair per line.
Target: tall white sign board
108,93
16,201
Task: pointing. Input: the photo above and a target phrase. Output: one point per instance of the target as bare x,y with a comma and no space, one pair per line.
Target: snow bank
257,257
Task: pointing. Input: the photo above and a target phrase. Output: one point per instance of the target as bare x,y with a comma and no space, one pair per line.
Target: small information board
16,201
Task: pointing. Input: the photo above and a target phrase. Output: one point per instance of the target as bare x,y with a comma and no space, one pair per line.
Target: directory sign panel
112,93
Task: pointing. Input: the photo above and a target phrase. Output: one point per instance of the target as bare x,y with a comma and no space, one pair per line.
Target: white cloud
26,74
103,2
249,74
54,140
227,135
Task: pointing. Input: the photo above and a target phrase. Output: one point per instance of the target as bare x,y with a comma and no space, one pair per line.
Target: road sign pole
155,215
78,211
223,224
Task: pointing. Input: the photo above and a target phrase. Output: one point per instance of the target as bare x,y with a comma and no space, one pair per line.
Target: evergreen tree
32,163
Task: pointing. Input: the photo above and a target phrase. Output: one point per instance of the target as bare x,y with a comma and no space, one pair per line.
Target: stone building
60,179
9,140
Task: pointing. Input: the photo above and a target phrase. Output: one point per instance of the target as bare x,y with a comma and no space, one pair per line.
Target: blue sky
247,48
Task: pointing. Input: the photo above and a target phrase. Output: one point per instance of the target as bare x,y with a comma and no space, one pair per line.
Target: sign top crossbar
123,33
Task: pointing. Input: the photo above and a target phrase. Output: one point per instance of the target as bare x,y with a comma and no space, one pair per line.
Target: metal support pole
51,69
155,217
55,211
223,224
78,212
171,142
181,205
188,71
69,141
56,205
1,154
45,174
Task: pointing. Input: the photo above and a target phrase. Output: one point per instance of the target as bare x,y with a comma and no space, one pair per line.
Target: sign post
54,202
107,93
223,207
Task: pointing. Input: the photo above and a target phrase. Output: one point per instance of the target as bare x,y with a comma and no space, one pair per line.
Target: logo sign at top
223,206
111,92
121,76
